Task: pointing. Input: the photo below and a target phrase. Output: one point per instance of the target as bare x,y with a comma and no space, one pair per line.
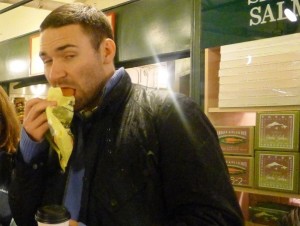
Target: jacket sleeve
26,189
197,188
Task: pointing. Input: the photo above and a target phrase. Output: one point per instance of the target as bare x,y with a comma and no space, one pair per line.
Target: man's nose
56,73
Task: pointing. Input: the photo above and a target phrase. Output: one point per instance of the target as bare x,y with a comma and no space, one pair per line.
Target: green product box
277,131
236,140
269,213
240,170
277,171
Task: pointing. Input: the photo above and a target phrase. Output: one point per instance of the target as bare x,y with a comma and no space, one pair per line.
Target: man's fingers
35,119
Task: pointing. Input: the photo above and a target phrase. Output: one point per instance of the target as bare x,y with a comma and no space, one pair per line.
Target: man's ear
108,50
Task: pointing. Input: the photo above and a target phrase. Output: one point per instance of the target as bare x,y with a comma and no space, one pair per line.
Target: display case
239,116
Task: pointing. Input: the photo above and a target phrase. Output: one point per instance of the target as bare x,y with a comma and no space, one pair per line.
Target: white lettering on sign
255,1
267,13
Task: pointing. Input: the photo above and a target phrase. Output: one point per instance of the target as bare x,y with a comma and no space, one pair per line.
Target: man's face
71,61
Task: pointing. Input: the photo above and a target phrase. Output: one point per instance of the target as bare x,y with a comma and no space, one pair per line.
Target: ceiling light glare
290,15
38,90
17,66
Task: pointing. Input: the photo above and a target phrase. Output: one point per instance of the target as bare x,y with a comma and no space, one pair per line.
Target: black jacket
150,158
6,167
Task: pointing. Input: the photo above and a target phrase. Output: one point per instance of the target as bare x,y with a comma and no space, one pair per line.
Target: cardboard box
269,213
283,66
280,83
236,140
260,60
277,131
262,43
241,170
277,171
261,93
260,101
259,77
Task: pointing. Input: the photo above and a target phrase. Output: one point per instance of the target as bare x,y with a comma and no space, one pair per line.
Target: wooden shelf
247,223
266,192
254,109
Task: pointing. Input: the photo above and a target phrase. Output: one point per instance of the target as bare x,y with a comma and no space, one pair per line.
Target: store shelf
247,223
266,192
238,116
252,109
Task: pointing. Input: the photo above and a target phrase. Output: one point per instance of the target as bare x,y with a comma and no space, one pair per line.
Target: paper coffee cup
52,215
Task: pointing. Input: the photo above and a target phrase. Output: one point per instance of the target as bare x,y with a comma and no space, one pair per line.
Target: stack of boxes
270,214
263,72
264,157
260,73
277,151
276,162
19,103
237,146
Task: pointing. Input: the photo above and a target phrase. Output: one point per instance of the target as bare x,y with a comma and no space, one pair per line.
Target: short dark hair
93,21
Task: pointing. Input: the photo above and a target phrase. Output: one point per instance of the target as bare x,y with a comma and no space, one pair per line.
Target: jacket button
113,203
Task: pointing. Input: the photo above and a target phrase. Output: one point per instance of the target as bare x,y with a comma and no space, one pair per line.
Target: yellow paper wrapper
59,119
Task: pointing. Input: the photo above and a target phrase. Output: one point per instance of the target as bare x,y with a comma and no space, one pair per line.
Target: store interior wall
128,56
27,18
171,75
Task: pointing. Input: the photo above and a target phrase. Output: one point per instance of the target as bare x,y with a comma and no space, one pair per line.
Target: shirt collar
111,83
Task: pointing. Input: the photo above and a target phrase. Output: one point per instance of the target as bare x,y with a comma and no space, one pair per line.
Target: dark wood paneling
13,51
150,28
146,31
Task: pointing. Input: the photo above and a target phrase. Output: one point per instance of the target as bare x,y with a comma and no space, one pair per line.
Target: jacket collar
115,92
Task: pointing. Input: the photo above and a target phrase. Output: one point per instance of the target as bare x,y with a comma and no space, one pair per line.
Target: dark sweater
6,164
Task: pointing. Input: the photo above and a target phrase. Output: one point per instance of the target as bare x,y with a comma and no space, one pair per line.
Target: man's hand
73,223
35,119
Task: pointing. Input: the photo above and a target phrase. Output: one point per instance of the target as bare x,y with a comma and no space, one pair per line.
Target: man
141,157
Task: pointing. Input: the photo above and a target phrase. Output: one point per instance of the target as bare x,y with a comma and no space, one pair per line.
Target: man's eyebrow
58,49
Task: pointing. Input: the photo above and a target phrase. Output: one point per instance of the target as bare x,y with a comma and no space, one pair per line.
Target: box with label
277,131
240,170
269,213
277,171
236,140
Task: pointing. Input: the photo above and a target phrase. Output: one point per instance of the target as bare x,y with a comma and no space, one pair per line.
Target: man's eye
69,56
47,61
